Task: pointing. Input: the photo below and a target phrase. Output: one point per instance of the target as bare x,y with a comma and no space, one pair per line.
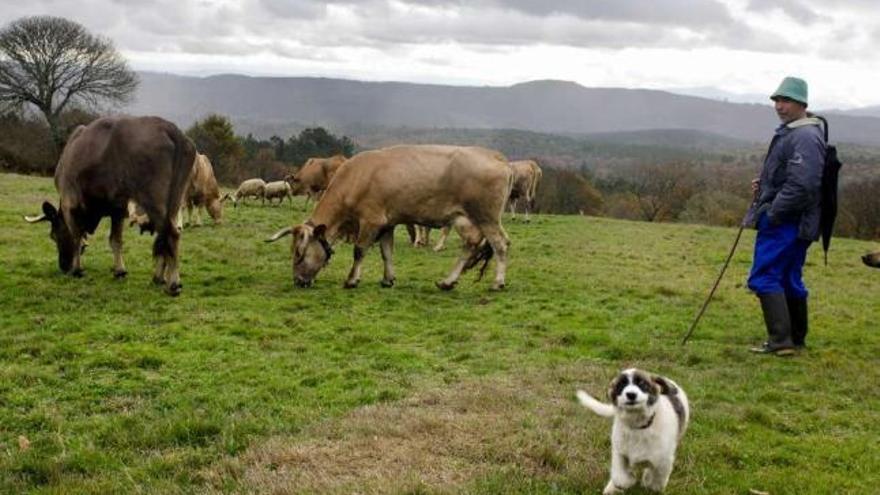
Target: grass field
245,384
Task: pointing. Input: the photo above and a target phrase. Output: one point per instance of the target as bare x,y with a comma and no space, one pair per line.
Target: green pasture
246,384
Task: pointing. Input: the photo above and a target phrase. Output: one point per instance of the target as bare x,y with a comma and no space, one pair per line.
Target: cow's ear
320,231
50,211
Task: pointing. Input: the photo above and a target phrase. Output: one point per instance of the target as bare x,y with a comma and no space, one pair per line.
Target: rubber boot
778,323
797,311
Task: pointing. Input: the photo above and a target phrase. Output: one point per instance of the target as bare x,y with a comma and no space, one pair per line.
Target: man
786,214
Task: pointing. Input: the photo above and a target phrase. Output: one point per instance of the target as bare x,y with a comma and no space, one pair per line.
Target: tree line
55,75
711,192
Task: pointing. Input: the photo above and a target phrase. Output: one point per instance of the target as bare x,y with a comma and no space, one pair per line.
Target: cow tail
533,187
484,253
182,165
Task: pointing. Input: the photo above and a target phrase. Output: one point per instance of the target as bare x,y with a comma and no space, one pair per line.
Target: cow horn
281,233
38,218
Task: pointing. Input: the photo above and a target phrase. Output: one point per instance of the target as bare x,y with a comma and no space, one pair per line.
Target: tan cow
103,166
279,189
250,188
427,185
872,259
203,192
314,176
526,176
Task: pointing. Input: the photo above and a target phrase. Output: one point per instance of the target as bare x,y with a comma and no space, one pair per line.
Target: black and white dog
650,416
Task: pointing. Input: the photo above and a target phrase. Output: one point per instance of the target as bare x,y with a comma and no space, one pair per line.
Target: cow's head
311,251
60,233
295,183
215,209
872,259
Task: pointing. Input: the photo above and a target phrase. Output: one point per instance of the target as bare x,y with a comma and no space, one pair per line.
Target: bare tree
661,190
51,62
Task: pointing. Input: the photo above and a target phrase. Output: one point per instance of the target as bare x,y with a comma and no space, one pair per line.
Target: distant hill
568,150
267,106
872,111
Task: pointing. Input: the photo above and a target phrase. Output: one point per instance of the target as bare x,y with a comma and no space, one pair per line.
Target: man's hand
756,183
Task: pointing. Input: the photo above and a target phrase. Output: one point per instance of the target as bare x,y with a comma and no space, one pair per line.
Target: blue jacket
791,178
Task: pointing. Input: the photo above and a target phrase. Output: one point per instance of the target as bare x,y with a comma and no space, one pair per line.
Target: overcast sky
737,46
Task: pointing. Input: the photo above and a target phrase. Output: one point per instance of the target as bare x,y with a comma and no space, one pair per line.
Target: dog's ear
665,386
614,389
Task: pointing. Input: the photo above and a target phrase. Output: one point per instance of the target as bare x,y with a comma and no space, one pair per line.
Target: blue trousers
778,262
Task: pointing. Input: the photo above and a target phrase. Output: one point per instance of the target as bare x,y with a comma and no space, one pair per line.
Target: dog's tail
592,404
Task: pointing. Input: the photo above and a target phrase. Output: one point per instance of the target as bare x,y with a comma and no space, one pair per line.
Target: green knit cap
792,88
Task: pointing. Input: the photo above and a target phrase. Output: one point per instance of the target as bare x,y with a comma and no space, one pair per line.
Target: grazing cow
103,166
526,176
314,176
872,259
202,192
248,188
427,185
279,189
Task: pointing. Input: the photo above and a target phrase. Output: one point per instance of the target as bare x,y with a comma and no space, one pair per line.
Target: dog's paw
583,396
610,489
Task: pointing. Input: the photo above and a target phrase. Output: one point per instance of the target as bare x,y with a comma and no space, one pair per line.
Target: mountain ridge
546,106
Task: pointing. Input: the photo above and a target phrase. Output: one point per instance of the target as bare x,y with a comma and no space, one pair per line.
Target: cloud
288,9
655,12
795,9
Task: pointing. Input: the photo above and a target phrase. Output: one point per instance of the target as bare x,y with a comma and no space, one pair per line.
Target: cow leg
512,205
449,282
172,262
527,208
386,246
499,241
366,236
117,226
470,242
422,235
413,233
441,242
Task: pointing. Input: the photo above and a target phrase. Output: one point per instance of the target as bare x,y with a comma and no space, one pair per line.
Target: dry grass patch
438,441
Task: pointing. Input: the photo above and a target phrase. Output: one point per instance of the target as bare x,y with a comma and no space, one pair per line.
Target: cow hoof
444,286
77,273
387,283
351,285
173,290
497,287
158,280
119,274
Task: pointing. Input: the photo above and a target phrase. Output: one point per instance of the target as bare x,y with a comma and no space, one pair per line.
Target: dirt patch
439,440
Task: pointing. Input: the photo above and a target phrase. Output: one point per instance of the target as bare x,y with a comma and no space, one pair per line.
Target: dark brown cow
314,176
106,164
872,259
426,185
